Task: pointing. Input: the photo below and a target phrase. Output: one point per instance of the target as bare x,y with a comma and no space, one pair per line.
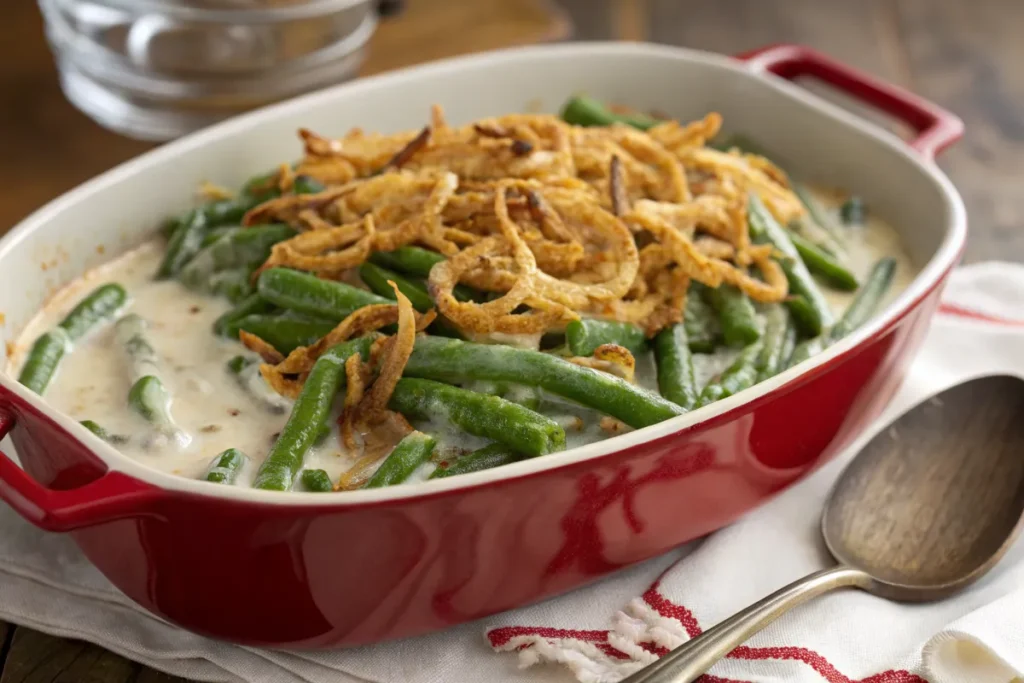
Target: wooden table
960,54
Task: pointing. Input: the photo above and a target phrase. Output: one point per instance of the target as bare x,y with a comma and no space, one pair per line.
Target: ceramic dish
314,571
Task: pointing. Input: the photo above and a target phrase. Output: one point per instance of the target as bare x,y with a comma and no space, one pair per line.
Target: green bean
863,306
491,417
186,238
817,261
376,278
736,315
789,345
225,211
96,429
262,185
307,293
412,451
48,350
101,432
803,313
441,327
451,360
484,458
528,397
316,481
818,214
130,333
417,261
584,111
254,304
806,349
243,250
305,184
149,398
238,363
247,374
309,415
702,329
219,212
779,338
866,302
766,230
255,191
465,293
827,240
411,260
225,467
101,304
235,284
742,374
853,211
170,226
216,233
185,242
321,436
818,238
676,381
43,359
284,331
584,336
517,393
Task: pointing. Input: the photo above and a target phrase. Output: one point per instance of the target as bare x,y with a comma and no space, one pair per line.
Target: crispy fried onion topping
265,351
376,445
549,221
611,358
367,426
328,252
287,375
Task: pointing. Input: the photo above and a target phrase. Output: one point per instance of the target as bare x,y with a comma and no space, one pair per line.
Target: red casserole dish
309,571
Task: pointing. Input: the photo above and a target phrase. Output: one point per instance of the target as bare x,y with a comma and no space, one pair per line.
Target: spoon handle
693,658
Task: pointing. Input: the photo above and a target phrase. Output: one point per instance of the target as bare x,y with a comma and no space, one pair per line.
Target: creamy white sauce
211,405
92,381
863,246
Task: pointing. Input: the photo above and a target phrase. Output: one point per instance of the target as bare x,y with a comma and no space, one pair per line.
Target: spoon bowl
927,507
936,499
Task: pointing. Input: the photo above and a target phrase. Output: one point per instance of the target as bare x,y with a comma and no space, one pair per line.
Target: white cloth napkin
602,633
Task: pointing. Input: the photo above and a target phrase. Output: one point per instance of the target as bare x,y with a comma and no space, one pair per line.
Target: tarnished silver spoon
926,508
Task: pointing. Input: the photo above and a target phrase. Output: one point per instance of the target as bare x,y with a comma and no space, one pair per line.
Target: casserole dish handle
113,495
936,128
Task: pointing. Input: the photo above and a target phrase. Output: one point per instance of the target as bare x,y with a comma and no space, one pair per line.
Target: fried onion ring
551,220
392,363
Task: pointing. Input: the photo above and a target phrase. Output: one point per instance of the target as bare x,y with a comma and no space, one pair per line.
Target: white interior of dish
807,135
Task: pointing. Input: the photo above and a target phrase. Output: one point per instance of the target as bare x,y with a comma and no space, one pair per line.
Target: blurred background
87,84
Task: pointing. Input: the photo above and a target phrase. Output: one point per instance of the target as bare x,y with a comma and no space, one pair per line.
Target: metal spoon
926,508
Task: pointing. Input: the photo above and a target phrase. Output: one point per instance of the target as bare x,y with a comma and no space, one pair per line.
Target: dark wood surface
963,55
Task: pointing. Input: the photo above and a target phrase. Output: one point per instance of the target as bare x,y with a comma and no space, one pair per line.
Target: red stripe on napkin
960,311
667,608
663,606
501,636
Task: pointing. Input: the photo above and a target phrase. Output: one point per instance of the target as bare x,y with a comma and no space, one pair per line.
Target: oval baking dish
317,571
